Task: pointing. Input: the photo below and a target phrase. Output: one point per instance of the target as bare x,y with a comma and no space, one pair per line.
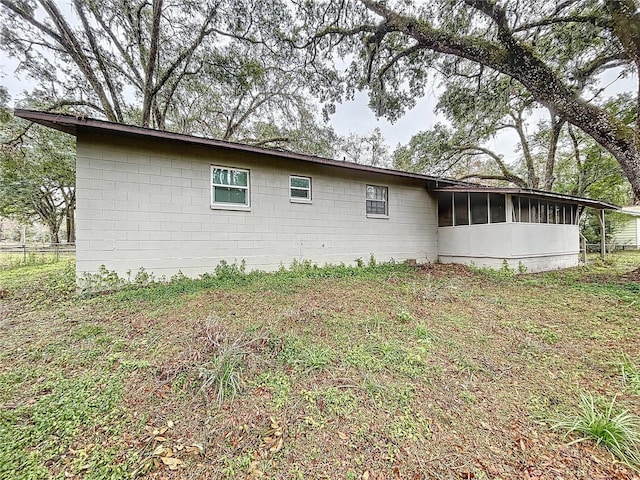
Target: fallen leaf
344,437
196,448
170,424
172,462
278,446
159,450
365,475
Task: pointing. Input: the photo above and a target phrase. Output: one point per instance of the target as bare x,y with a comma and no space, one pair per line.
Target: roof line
71,124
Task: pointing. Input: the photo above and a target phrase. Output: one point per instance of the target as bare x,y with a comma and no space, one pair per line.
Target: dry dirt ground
381,372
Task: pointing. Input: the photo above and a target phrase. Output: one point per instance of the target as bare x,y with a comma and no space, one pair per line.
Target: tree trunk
549,170
71,224
149,94
54,231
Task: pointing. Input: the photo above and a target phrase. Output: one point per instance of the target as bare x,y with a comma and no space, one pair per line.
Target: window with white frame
377,200
229,187
299,188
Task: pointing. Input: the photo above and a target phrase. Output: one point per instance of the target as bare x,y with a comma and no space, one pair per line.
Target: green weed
630,374
617,432
305,355
544,333
278,384
409,425
32,435
332,401
501,274
404,316
422,333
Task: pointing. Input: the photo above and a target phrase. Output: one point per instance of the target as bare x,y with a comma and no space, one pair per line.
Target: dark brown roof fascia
597,204
71,124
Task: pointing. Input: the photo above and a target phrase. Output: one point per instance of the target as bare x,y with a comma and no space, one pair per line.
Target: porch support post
603,237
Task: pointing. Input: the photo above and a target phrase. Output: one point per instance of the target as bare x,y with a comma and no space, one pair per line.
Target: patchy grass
377,371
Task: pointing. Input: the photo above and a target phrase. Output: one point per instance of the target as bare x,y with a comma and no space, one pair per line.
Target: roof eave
72,124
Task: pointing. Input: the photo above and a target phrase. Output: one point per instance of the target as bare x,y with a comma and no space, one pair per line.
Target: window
229,187
377,200
299,189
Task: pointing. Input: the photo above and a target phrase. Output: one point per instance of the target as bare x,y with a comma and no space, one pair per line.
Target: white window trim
386,202
225,205
298,199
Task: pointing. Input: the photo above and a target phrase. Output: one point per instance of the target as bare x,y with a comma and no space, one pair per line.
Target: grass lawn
378,372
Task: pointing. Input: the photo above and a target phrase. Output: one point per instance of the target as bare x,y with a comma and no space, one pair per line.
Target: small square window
229,187
377,200
300,189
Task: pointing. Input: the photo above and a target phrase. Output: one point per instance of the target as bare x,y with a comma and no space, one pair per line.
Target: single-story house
170,203
627,235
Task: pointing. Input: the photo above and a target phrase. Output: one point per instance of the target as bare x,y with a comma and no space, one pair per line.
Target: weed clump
223,373
630,374
617,432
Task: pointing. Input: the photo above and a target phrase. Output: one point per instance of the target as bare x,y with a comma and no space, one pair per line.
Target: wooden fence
34,254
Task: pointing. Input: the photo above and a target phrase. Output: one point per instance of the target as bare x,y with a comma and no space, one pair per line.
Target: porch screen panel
533,210
524,209
543,212
497,208
445,209
479,208
515,215
461,208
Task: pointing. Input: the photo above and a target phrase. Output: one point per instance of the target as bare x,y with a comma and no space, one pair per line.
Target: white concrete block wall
147,204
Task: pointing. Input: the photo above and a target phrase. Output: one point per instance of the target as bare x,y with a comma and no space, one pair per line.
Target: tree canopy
553,50
216,68
37,178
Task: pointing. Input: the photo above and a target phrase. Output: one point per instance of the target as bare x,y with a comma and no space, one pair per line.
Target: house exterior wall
148,204
628,233
536,246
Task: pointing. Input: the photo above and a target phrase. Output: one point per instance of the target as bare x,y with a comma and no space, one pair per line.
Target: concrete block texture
148,205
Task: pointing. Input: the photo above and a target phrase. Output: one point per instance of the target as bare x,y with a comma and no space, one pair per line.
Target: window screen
377,200
229,186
